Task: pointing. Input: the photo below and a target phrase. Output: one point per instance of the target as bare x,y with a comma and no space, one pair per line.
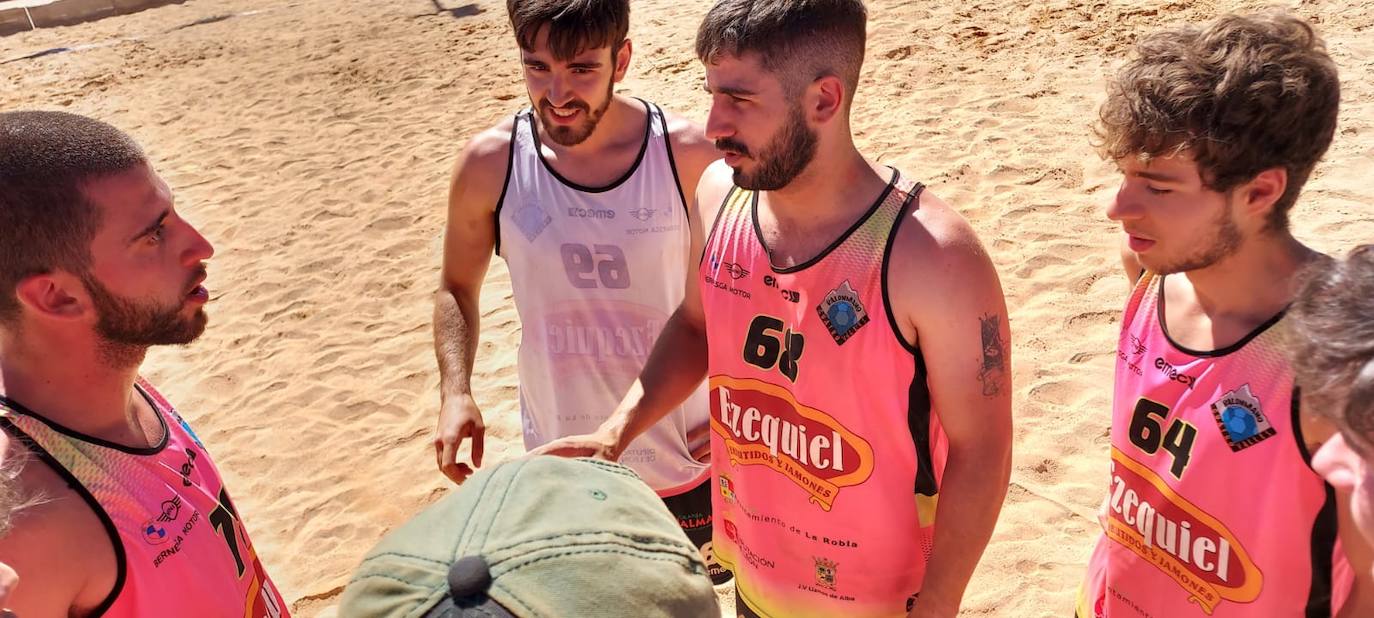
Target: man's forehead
586,50
134,191
746,72
1177,164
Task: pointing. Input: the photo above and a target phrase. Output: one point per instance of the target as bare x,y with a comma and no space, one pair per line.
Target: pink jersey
1213,508
181,548
825,450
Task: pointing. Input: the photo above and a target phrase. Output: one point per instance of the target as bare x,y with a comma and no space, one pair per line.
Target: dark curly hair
1243,94
1332,339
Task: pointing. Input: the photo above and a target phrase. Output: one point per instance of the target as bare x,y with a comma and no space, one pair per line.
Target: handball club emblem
1239,417
842,312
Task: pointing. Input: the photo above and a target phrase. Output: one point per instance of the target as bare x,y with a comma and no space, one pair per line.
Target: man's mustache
726,144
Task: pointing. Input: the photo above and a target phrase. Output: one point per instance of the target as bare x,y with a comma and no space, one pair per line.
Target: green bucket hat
538,537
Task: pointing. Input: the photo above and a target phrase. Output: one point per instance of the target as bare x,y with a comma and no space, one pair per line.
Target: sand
311,142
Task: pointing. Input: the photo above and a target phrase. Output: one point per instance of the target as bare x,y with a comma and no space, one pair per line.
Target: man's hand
603,444
459,419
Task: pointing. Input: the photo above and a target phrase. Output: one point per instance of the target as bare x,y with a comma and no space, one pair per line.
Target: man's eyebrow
1148,175
161,218
734,91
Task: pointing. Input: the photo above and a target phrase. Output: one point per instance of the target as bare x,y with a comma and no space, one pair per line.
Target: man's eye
1154,191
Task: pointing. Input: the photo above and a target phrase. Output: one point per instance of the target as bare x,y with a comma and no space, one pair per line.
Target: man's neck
829,186
79,389
1260,279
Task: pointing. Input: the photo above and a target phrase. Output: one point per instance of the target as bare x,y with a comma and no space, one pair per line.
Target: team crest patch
1239,417
531,219
842,312
727,489
825,573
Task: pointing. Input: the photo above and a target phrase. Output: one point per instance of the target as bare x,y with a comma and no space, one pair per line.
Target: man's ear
825,99
622,60
56,295
1258,196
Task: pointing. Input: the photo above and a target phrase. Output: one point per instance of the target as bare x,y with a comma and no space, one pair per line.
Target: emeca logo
1189,545
764,425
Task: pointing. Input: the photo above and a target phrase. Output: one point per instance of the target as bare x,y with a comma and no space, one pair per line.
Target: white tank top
596,273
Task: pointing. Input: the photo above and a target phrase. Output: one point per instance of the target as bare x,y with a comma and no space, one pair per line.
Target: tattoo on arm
993,366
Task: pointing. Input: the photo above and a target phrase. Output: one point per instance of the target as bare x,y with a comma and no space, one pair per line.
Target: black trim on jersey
918,422
758,231
648,130
1295,413
505,186
1323,547
121,558
1325,527
720,210
672,163
1164,327
887,254
71,433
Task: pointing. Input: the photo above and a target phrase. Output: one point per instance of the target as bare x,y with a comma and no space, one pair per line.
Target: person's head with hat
537,537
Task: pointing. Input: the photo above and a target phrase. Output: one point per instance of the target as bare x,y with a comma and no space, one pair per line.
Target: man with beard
854,333
582,195
96,266
1213,506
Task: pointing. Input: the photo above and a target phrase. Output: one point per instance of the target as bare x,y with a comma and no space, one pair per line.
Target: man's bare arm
678,361
55,541
469,237
947,292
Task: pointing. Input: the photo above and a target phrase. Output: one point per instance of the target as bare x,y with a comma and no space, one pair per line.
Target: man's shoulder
933,227
716,182
689,140
933,239
490,147
480,171
44,514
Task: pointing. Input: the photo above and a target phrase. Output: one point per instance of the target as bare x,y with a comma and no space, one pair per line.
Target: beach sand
311,141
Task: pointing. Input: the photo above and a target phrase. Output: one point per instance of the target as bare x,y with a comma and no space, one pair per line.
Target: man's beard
781,160
1224,243
126,325
576,134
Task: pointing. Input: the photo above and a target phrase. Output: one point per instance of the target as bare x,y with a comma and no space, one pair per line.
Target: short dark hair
46,220
574,25
1243,94
798,40
1332,339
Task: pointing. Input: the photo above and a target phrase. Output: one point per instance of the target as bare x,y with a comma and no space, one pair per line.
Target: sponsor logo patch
642,213
153,533
171,510
1239,417
188,467
736,271
762,424
842,312
1187,544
